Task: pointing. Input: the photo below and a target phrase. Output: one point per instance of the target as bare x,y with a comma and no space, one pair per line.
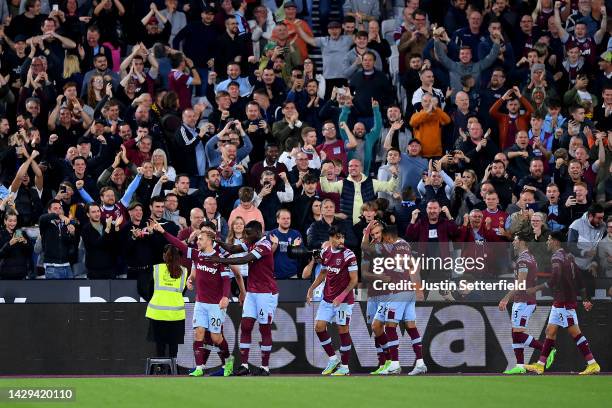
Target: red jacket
419,234
503,119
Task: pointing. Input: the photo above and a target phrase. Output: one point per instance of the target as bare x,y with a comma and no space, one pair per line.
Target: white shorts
562,317
401,311
521,313
260,306
209,316
341,314
376,310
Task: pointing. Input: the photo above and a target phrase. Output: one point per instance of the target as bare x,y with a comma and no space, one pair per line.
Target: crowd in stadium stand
459,121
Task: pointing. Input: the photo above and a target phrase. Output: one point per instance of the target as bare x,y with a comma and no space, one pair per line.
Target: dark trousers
144,280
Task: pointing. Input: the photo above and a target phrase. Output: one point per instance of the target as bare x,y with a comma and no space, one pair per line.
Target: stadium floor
454,391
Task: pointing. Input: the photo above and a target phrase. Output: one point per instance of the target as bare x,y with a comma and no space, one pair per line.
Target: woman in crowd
166,309
15,249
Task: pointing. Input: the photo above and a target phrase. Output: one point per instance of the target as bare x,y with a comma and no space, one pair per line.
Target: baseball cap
289,4
83,139
208,10
134,205
20,37
606,56
334,24
413,140
538,67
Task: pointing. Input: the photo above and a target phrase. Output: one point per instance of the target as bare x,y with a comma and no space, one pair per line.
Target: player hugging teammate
212,284
401,306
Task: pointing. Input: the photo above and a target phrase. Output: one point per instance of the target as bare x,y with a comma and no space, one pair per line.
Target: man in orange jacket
427,125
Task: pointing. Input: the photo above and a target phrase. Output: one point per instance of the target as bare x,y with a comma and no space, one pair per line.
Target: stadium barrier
109,338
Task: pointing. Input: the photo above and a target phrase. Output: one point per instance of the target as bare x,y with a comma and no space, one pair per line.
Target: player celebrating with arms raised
565,283
262,293
524,304
212,283
339,271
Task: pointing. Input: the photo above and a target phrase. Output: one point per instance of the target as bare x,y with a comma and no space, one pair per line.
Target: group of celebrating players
213,266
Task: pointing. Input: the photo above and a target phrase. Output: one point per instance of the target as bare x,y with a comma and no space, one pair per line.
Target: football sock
531,342
345,347
518,347
417,346
325,341
548,345
266,343
223,350
381,348
583,346
246,327
200,353
392,343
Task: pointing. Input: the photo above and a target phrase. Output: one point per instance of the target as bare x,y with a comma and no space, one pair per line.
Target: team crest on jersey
338,261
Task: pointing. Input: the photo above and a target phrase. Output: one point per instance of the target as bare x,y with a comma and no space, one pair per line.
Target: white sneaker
393,369
418,369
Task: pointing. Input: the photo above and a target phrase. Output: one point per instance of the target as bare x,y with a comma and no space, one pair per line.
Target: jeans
200,90
58,272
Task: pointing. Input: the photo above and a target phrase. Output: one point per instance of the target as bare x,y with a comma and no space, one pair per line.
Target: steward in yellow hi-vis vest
166,310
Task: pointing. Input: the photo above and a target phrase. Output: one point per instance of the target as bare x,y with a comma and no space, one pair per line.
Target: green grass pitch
354,392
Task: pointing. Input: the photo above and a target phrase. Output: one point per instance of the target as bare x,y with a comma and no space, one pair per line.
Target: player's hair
390,230
254,226
335,230
172,258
